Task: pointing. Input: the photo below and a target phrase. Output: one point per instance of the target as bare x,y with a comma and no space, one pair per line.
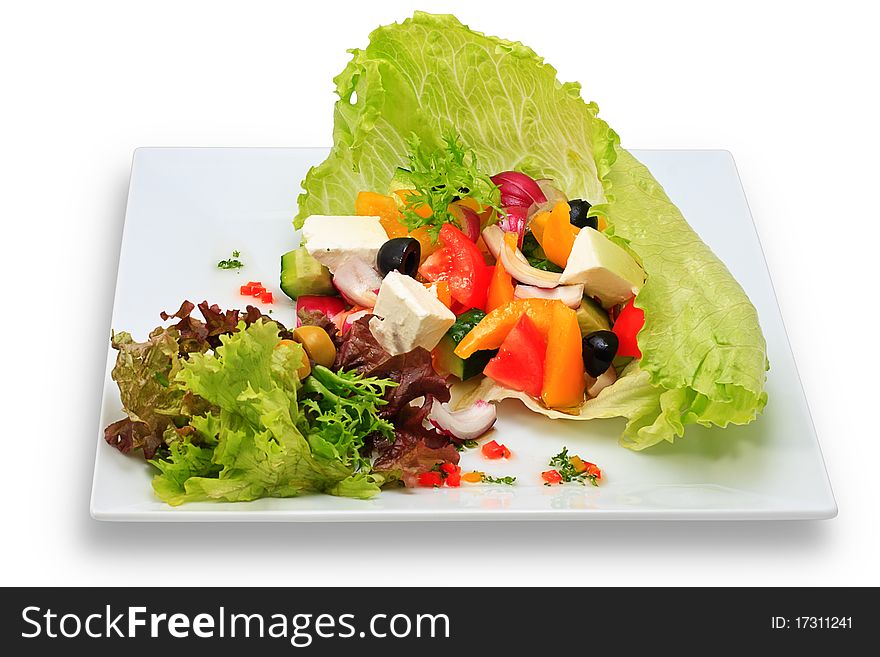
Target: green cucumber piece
444,352
592,317
301,274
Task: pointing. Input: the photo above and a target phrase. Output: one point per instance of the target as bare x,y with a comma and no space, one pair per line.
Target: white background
788,88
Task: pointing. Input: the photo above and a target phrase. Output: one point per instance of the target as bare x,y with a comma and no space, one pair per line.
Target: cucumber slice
463,368
592,317
301,274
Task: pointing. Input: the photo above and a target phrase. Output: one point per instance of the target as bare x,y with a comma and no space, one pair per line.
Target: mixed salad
477,233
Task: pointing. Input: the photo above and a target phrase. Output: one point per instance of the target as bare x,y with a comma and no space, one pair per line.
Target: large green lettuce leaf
704,356
431,73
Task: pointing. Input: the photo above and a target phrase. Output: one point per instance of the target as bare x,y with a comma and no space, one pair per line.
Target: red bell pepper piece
431,479
492,450
449,468
629,322
551,477
519,364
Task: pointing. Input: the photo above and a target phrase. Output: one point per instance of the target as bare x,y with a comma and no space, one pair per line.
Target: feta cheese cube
408,315
333,240
606,269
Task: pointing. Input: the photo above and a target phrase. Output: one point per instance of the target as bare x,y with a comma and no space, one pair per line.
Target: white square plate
190,207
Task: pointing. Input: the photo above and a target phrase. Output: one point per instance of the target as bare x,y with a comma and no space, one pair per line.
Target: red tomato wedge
519,364
460,263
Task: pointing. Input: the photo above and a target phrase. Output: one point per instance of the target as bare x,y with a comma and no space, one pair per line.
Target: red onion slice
515,262
330,306
570,295
467,219
467,424
604,380
514,221
351,318
357,282
518,189
551,193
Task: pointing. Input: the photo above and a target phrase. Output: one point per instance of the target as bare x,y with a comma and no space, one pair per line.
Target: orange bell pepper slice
410,197
501,285
371,204
494,327
500,288
441,289
558,235
537,225
564,380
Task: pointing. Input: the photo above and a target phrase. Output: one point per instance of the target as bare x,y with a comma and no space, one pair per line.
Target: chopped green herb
439,177
562,462
231,263
467,444
545,265
489,479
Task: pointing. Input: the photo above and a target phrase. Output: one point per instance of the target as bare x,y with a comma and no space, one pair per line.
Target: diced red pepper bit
266,297
453,479
430,479
492,450
253,289
551,477
449,468
593,470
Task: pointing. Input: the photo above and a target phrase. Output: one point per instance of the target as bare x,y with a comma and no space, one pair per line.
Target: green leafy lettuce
704,356
258,443
153,400
432,75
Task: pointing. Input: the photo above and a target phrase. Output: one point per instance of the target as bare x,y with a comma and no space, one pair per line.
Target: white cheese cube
408,315
606,270
333,240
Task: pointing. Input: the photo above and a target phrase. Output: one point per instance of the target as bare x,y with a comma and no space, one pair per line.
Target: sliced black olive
578,214
399,254
599,349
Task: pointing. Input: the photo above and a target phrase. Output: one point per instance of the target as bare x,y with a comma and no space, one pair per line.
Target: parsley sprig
489,479
562,463
467,444
231,263
439,176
